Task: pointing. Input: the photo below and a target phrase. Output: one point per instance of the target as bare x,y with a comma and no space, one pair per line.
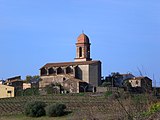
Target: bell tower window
80,51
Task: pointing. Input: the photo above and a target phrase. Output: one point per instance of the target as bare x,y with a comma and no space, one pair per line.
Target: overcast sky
124,34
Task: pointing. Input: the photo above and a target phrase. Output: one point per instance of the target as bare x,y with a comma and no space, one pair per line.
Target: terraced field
86,107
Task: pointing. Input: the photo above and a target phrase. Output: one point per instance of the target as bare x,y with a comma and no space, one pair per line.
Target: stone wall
84,72
46,80
95,74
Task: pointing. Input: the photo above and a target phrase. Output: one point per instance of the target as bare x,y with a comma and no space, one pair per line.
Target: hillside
85,106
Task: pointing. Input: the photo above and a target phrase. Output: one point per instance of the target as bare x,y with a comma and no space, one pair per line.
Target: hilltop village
81,75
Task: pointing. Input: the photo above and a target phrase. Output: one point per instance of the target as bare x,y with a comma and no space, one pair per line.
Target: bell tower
83,48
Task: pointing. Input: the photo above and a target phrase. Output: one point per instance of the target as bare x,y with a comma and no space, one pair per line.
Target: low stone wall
104,89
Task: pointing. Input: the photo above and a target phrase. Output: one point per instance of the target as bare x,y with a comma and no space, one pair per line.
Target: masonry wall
6,91
46,80
84,73
95,74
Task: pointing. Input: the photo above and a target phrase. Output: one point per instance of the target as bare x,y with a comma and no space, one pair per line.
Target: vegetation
27,92
105,84
35,109
108,93
53,88
153,109
89,106
55,110
30,78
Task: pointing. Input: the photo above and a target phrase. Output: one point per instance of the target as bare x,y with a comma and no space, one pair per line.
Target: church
78,76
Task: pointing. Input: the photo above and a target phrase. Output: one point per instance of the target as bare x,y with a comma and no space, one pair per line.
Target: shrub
108,93
105,84
18,92
152,109
53,88
55,110
31,91
35,109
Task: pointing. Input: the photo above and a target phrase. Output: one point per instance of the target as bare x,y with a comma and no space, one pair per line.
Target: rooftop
64,64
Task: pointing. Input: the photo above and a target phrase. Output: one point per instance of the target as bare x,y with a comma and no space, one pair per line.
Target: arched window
43,71
51,71
59,70
69,70
80,51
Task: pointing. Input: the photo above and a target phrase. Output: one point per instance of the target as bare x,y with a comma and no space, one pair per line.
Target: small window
9,92
137,82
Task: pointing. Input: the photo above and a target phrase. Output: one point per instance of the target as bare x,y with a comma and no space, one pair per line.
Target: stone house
142,84
6,91
16,82
117,79
122,77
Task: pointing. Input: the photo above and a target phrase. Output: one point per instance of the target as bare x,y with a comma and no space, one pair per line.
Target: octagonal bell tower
83,48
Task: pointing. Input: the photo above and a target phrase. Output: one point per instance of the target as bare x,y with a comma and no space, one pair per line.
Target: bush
55,110
18,92
108,93
152,109
35,109
31,91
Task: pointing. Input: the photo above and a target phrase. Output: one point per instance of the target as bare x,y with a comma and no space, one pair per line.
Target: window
80,51
43,71
51,71
9,91
59,70
69,70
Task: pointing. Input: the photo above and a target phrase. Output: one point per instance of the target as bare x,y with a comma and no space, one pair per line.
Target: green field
82,107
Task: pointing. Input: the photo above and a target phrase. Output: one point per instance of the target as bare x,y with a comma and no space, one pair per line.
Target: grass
22,117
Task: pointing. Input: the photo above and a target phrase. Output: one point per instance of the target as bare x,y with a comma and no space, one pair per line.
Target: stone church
77,76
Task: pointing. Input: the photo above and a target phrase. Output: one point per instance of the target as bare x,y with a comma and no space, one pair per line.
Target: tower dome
82,38
83,48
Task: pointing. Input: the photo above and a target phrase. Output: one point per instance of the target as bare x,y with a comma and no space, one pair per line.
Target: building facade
82,71
16,82
142,84
6,91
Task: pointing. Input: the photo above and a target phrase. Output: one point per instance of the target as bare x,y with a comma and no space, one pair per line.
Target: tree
30,78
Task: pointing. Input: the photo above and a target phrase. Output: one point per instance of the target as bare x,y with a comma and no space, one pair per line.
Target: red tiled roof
83,38
63,64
